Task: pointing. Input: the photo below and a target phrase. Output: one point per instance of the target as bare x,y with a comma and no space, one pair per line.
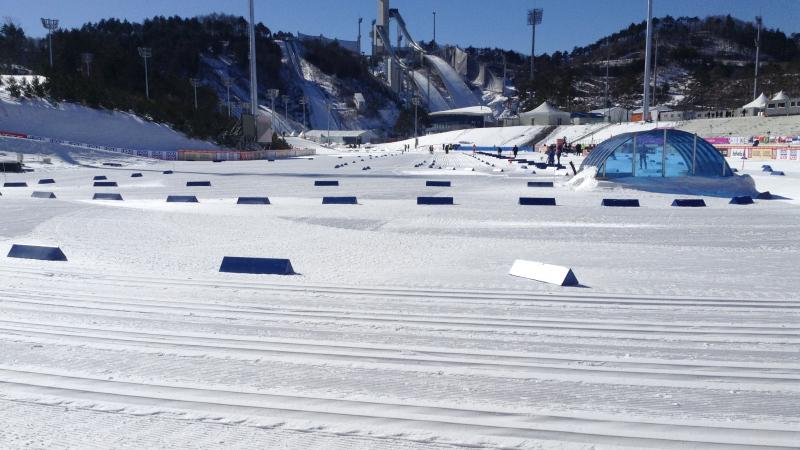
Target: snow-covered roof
336,133
759,103
606,110
780,96
545,107
468,111
659,108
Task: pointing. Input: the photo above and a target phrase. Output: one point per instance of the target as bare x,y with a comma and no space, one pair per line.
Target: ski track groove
139,325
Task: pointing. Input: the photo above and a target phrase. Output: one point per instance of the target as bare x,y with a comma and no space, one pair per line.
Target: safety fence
171,155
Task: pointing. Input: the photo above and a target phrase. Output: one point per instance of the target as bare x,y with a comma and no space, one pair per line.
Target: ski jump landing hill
457,94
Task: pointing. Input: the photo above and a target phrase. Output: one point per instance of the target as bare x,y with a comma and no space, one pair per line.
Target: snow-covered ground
481,137
72,122
403,329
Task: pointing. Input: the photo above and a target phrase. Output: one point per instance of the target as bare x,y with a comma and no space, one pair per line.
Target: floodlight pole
534,18
195,83
415,101
655,69
227,83
87,59
304,101
330,107
253,76
146,52
285,99
608,58
273,94
51,25
434,26
759,22
360,19
647,63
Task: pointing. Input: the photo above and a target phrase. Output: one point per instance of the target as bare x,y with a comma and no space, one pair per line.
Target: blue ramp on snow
253,201
36,252
107,196
537,201
256,266
621,202
339,201
182,199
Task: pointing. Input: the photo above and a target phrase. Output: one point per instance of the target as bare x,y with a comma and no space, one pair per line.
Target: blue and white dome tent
657,153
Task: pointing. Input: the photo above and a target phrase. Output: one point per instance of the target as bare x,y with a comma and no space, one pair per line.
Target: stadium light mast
608,63
415,101
87,59
51,25
304,102
273,94
285,99
360,20
253,79
227,82
145,53
655,68
534,18
647,62
759,22
434,26
195,84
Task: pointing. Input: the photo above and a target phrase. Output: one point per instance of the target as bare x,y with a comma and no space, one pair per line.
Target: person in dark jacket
515,150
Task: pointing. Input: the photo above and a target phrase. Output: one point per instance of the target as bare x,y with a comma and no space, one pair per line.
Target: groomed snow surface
403,329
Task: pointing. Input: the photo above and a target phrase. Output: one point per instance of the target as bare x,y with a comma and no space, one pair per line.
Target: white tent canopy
545,114
780,96
759,103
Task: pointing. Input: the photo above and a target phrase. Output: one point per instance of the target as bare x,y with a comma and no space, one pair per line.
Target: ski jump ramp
320,118
460,94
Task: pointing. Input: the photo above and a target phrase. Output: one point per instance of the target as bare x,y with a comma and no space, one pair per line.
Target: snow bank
585,180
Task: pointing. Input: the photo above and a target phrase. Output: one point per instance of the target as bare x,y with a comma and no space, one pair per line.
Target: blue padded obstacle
105,184
256,266
38,194
537,201
437,183
326,183
136,175
253,201
778,173
112,164
540,184
621,202
182,199
167,172
107,196
764,196
99,178
15,184
766,168
689,202
36,252
744,200
47,181
198,183
339,201
434,200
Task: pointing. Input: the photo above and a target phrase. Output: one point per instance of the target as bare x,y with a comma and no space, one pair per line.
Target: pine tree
13,88
27,91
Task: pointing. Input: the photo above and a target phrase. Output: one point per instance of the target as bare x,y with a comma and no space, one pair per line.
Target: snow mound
585,180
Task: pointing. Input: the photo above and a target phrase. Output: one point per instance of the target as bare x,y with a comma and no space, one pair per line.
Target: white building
545,114
345,137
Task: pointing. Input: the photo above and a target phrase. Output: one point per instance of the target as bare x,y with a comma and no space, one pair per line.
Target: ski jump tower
379,49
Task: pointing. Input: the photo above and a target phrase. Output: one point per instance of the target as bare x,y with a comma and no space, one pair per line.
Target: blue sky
484,23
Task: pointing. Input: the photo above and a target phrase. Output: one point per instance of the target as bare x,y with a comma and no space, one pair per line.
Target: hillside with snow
80,124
